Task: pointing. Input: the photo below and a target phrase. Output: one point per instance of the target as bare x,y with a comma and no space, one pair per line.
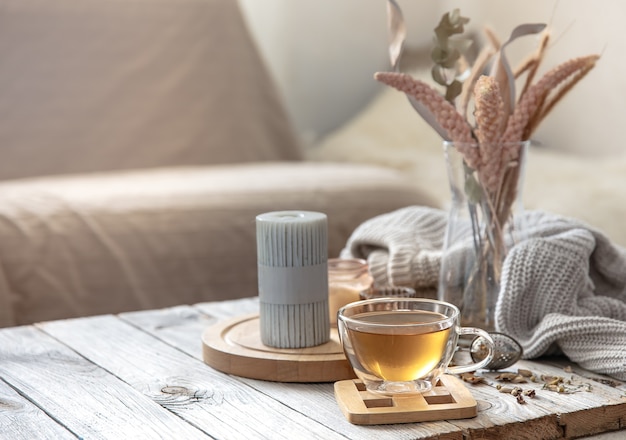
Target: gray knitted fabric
563,287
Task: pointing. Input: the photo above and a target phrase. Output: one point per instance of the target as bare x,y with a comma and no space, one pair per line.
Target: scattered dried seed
551,379
506,377
609,382
511,377
554,380
520,399
525,373
472,378
516,391
568,369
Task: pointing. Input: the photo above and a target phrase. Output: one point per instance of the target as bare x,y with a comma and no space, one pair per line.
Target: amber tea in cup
402,345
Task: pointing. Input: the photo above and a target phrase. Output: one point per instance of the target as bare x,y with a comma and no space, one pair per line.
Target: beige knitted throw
563,287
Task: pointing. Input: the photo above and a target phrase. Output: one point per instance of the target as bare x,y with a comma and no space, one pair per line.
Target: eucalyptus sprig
448,52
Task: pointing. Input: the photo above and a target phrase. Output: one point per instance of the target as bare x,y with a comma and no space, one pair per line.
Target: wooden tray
449,399
234,346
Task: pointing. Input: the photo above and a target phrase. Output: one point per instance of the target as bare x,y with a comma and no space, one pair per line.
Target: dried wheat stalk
446,115
532,63
490,117
529,107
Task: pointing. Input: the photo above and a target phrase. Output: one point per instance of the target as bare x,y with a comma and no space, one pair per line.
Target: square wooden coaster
449,399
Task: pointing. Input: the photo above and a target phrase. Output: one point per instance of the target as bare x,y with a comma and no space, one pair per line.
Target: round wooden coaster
234,346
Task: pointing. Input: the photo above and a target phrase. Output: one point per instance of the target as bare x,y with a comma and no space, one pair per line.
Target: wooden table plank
102,377
228,309
315,400
601,409
81,396
549,415
212,401
21,420
497,421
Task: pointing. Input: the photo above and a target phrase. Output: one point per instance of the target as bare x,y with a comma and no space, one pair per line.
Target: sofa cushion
128,240
91,85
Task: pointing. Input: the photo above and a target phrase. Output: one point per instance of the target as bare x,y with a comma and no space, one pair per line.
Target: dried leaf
532,64
473,189
460,45
438,75
447,54
468,85
502,70
445,58
453,90
397,32
493,39
451,23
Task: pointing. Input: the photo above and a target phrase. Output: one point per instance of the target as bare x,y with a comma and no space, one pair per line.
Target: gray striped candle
292,256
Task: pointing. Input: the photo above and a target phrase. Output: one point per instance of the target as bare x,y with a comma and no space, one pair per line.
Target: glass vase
483,224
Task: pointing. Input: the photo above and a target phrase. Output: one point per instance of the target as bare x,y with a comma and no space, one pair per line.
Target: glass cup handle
475,366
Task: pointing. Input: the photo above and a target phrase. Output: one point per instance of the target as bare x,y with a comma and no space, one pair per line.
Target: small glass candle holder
388,292
347,278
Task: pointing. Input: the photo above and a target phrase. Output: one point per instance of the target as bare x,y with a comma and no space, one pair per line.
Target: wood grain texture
550,415
20,419
234,346
449,399
229,309
141,375
499,416
212,401
316,400
80,395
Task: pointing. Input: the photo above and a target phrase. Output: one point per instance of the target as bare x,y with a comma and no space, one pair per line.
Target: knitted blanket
563,287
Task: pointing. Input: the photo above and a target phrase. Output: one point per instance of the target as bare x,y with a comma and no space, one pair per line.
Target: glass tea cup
387,291
402,345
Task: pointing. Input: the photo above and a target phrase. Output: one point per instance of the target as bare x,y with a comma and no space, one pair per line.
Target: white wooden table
141,375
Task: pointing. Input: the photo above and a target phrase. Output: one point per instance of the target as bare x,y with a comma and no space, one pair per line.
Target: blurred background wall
323,55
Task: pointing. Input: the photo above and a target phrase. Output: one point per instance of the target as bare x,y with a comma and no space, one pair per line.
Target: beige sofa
138,142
